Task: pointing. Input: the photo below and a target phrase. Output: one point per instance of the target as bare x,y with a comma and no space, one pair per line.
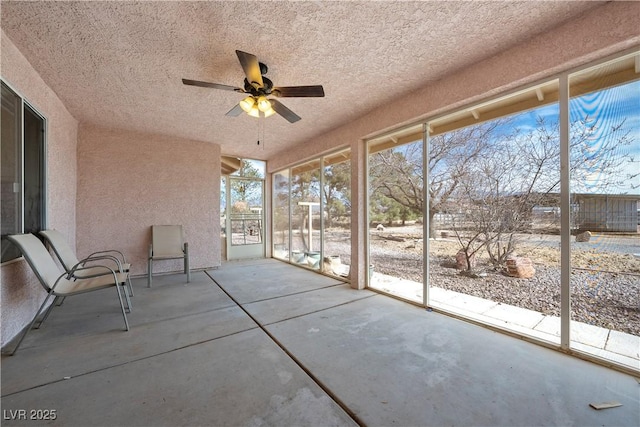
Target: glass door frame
244,251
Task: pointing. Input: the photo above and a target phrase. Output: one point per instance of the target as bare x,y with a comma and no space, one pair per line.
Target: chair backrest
61,248
38,258
167,240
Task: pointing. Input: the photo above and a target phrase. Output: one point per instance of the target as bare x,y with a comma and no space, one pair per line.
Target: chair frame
184,255
60,247
100,282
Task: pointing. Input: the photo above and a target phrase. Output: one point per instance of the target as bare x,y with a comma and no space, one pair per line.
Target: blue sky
605,109
621,101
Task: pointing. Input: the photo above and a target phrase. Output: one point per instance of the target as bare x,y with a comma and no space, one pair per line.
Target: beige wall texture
20,292
129,181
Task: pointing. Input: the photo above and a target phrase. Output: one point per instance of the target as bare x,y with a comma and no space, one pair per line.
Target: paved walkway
609,344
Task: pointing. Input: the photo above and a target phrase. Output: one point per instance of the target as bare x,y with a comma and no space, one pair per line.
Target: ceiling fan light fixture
247,104
270,112
254,111
263,104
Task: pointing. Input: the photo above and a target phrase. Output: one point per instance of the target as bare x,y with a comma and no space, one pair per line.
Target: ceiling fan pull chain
260,132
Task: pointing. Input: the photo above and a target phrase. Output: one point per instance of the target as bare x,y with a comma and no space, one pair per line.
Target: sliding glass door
312,214
244,209
604,143
396,204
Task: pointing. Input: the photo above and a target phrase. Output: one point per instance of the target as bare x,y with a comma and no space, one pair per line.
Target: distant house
606,212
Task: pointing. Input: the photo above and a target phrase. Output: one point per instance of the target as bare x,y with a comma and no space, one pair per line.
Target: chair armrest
115,260
123,258
93,257
80,266
77,268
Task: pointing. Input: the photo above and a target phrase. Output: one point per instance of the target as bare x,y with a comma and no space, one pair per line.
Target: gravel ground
605,286
602,299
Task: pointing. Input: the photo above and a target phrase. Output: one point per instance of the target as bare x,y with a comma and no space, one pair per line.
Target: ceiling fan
259,88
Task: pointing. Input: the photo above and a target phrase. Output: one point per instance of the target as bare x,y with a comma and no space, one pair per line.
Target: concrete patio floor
261,342
604,343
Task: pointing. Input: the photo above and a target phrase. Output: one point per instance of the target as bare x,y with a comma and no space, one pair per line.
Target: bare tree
503,172
523,171
396,181
470,239
398,173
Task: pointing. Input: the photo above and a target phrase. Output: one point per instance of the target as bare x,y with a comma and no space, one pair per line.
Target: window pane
337,214
396,183
246,211
33,171
251,169
11,171
605,182
281,214
305,214
494,220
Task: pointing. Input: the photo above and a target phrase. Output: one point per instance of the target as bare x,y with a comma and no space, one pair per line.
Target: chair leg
124,313
126,296
150,273
129,284
187,270
26,331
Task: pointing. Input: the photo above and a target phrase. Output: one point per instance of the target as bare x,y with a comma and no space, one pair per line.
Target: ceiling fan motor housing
255,90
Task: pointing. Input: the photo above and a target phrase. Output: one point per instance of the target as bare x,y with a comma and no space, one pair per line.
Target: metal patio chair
69,260
65,284
167,242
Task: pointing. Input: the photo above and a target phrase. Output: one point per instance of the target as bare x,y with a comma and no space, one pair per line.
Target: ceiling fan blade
289,115
251,67
211,85
299,91
235,111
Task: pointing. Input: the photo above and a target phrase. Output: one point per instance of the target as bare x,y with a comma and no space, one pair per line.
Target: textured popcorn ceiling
120,64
